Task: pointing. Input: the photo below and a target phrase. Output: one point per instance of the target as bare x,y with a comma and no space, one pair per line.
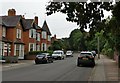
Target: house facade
18,35
46,37
12,35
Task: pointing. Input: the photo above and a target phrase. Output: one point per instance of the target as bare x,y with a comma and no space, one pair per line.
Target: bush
31,55
37,52
110,53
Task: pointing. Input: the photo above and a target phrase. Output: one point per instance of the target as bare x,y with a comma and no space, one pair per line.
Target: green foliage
57,45
37,52
77,40
88,15
83,13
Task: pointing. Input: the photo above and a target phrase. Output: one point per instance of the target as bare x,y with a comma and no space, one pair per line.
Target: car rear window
41,55
57,53
85,54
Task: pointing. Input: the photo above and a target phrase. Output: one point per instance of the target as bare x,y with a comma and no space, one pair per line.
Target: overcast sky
31,8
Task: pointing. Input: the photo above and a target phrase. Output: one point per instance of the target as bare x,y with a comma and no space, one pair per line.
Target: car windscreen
85,54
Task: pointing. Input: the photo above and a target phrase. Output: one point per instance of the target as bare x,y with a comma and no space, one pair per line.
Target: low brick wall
30,57
11,59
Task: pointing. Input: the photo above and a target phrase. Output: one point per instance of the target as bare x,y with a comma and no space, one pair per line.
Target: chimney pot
11,12
36,20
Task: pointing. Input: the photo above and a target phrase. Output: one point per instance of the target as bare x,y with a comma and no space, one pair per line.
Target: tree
57,45
86,15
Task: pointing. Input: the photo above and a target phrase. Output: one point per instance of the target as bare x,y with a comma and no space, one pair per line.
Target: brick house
38,34
0,39
18,35
46,39
12,35
31,35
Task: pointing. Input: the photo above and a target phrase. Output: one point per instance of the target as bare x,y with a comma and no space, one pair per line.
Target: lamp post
98,47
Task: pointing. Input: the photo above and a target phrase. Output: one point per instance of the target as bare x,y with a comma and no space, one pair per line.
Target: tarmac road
59,70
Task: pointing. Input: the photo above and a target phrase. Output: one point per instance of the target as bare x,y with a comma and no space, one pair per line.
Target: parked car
43,58
69,53
94,53
86,58
58,54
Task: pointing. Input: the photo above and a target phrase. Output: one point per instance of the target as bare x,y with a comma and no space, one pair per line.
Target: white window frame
38,37
4,31
21,50
32,33
49,38
19,33
44,34
33,46
38,47
0,48
44,45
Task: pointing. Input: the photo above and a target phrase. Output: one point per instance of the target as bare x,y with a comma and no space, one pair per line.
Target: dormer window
18,33
3,31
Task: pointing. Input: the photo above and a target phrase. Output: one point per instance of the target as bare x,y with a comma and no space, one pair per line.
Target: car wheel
36,63
51,61
60,58
78,63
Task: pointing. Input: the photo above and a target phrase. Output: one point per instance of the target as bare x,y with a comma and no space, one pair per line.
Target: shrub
37,52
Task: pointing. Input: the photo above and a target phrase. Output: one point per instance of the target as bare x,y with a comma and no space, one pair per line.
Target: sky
56,22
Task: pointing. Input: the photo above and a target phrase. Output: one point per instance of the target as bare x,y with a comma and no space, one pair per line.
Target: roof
27,23
36,26
45,28
10,21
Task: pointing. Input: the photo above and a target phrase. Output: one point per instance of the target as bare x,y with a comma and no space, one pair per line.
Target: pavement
105,70
21,63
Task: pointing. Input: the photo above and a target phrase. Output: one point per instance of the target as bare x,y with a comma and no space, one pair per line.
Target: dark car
86,58
43,58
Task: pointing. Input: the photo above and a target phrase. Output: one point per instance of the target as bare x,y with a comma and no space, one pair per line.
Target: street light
98,48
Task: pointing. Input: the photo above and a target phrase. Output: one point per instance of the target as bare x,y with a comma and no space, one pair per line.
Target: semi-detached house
18,35
12,35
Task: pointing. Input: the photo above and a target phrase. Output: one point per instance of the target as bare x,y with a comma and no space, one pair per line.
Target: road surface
59,70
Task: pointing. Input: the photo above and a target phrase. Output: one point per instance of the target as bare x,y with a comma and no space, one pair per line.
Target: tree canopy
86,15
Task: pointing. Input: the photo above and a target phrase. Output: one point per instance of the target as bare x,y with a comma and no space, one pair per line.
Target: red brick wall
11,34
26,40
0,32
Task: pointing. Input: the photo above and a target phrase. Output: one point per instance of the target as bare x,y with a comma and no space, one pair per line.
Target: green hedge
37,52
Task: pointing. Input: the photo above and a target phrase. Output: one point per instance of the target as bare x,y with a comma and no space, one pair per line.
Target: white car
69,53
58,54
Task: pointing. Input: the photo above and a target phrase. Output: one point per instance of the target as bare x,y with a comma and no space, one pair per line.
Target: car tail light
80,57
91,56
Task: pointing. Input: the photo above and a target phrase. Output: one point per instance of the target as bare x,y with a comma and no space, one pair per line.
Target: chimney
36,20
11,12
55,36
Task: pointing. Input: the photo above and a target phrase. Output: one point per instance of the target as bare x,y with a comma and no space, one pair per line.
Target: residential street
59,70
